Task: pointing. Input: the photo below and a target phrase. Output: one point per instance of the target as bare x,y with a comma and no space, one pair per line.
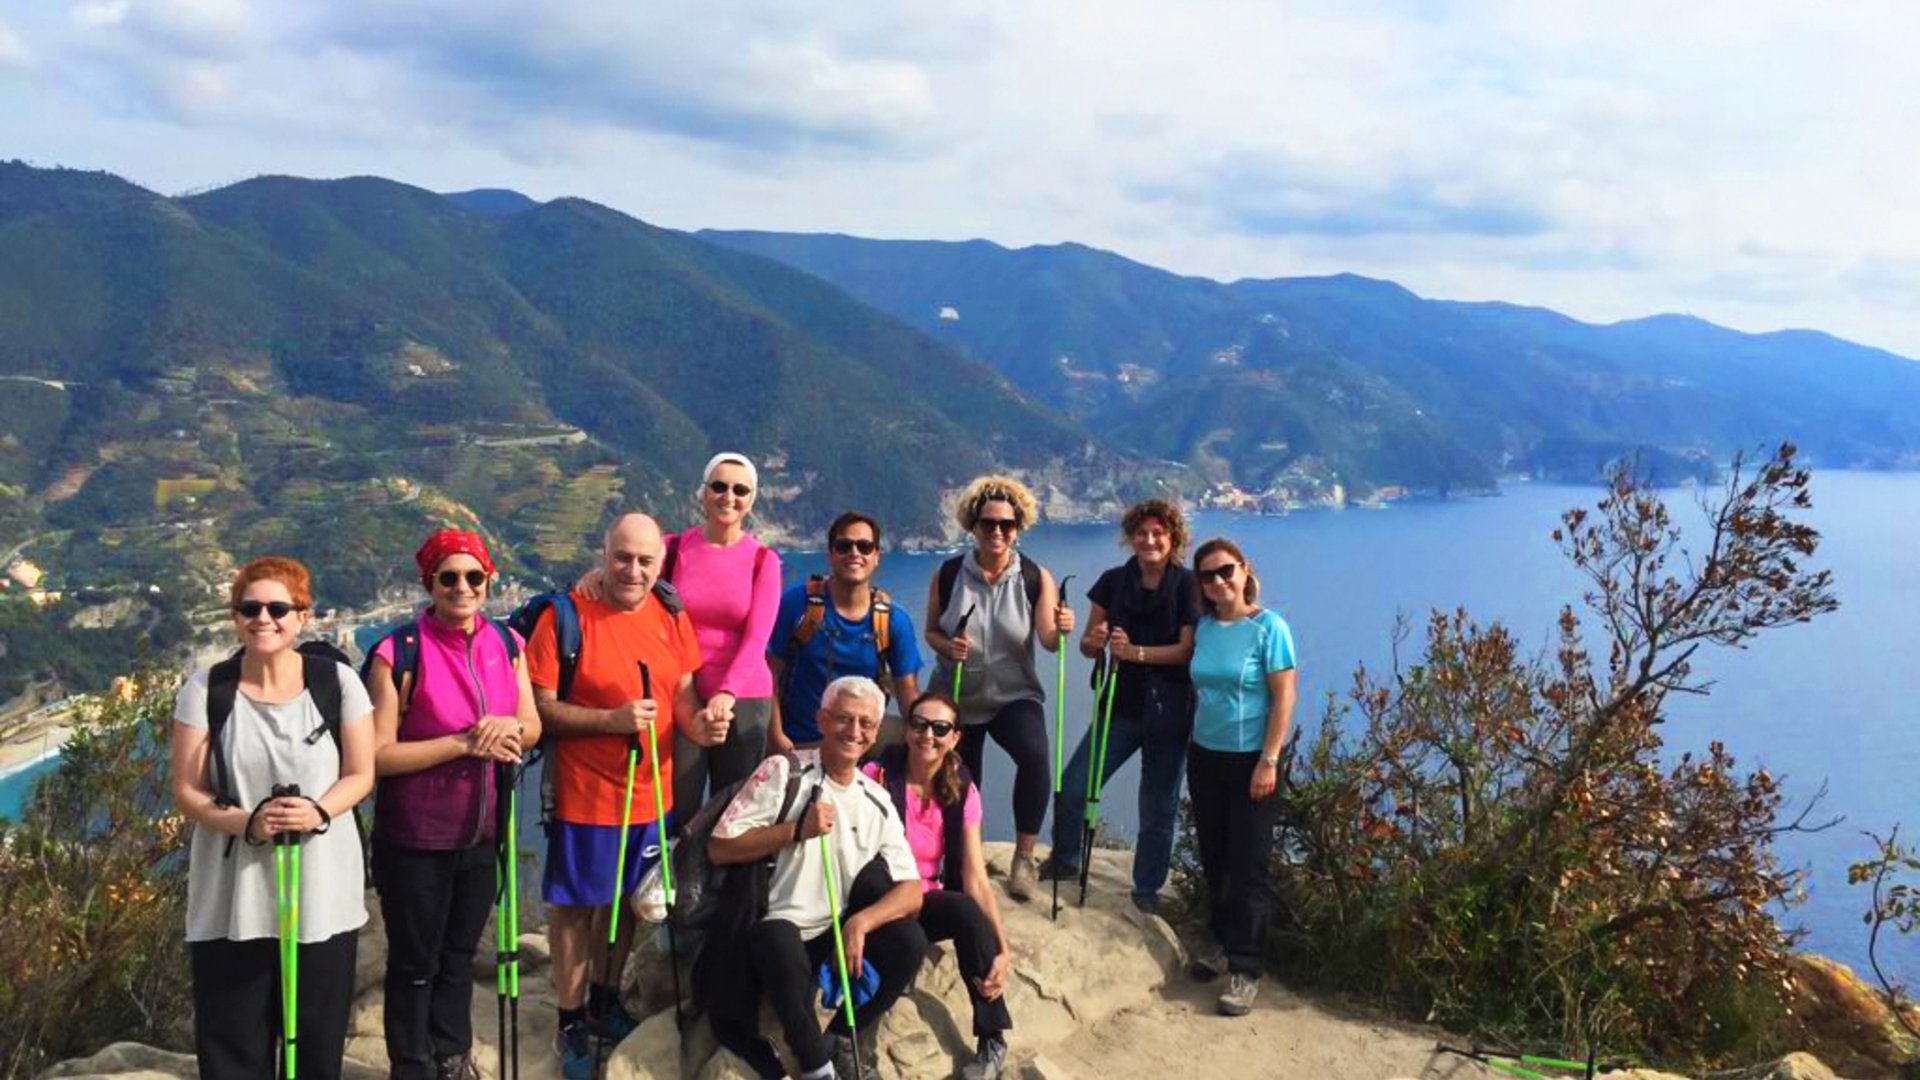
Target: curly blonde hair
995,487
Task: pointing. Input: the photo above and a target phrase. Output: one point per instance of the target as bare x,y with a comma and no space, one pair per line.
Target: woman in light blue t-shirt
1244,679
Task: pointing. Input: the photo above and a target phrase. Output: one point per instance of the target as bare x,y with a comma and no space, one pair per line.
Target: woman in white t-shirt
940,808
275,733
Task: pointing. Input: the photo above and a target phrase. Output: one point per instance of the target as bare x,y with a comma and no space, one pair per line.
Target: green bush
93,893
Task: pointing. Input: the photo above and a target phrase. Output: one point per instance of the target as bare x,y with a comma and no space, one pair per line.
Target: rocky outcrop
1849,1023
1099,994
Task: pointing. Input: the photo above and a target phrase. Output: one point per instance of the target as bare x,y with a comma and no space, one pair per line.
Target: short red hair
278,568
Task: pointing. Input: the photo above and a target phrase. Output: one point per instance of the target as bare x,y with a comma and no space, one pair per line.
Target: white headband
730,458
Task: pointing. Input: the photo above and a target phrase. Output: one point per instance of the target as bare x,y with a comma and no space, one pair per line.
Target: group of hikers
693,713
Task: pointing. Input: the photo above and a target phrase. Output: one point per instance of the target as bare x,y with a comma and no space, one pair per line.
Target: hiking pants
236,1006
955,917
787,965
1020,727
1158,732
1235,838
436,905
700,771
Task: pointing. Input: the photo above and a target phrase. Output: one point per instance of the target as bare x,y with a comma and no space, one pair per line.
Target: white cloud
13,49
1747,161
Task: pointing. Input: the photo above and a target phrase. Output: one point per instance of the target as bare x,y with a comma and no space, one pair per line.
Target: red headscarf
437,547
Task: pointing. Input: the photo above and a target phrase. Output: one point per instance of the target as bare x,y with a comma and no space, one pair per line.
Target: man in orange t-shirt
591,733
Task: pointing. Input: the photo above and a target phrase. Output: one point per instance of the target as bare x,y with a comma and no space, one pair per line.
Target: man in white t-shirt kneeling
876,879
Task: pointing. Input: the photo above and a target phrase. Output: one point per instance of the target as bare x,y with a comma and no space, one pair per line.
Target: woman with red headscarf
450,702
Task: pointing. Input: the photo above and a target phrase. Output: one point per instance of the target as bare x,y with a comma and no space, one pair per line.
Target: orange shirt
590,771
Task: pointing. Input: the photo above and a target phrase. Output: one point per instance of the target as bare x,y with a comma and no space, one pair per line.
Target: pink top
732,594
926,832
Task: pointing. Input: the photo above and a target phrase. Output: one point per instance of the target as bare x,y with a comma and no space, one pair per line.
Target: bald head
630,557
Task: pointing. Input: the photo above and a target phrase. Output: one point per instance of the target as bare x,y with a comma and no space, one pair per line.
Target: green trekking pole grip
840,949
960,665
286,879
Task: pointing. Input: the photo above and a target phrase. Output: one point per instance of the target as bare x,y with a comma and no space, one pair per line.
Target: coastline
23,752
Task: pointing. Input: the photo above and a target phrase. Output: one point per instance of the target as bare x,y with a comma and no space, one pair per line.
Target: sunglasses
940,728
844,546
275,609
449,578
1004,526
721,487
1222,573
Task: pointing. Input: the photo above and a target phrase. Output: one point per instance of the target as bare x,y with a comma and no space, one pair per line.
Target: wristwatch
1270,759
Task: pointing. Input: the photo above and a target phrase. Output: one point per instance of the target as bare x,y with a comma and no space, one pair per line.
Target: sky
1754,163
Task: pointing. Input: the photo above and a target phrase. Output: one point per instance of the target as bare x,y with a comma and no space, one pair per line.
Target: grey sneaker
457,1067
845,1067
989,1060
1237,999
1023,876
1052,870
1208,963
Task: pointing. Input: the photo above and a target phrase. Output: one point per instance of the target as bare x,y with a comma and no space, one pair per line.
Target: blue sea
1830,702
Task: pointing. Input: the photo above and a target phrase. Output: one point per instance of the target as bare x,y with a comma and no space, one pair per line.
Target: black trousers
236,1007
955,917
701,771
436,905
786,965
1235,838
1020,727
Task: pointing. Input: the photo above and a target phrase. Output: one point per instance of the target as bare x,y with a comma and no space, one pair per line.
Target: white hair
854,686
728,457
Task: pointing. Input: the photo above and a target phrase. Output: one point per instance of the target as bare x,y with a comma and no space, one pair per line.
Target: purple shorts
581,858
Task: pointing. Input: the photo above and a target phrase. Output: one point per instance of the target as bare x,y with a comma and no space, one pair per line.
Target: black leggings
435,904
236,1006
955,917
1235,838
1020,727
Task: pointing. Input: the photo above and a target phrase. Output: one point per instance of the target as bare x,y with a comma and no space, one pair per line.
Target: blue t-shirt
1231,662
838,647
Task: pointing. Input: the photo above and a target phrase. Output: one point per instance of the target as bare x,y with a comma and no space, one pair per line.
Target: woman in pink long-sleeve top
730,583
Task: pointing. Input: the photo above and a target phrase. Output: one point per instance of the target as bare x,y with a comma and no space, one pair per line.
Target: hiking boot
1053,870
989,1060
457,1067
1237,999
1208,963
1022,878
611,1025
574,1044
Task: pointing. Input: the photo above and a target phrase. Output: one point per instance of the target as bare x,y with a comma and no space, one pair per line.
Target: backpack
320,672
816,613
699,884
1029,577
406,656
953,819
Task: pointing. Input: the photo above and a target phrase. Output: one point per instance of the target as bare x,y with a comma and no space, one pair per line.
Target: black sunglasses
275,609
449,578
1222,573
845,546
1004,526
721,487
940,728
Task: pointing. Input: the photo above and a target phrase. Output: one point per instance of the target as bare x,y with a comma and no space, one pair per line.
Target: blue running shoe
612,1025
574,1044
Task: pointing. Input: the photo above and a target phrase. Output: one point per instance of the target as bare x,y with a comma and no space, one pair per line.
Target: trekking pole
620,860
1059,735
666,851
840,952
286,881
1518,1064
1096,779
506,911
960,665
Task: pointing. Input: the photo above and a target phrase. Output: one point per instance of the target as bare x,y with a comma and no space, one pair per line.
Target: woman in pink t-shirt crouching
940,807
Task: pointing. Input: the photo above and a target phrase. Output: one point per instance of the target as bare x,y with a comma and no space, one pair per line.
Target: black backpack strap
672,560
949,573
322,674
223,682
1030,577
893,773
953,829
566,640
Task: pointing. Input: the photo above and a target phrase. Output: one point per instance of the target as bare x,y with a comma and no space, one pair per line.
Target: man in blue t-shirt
826,629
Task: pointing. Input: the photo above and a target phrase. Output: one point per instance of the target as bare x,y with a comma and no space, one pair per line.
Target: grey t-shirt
232,897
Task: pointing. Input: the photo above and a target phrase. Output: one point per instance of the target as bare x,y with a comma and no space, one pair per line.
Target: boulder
1848,1022
129,1059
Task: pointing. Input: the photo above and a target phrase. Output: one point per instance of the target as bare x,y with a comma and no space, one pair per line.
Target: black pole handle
646,692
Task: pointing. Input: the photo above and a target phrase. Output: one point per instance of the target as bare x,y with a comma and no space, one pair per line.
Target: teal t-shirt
1231,662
